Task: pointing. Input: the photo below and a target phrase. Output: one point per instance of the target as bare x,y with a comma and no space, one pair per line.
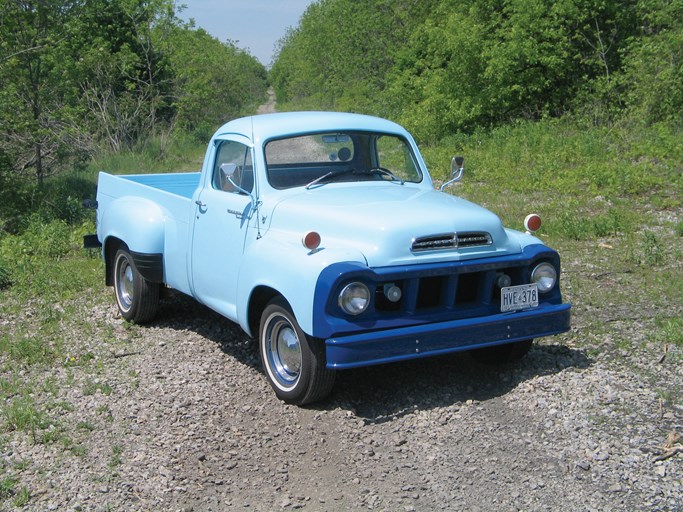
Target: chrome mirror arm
457,170
255,203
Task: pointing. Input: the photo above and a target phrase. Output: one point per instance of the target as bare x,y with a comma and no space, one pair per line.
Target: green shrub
44,239
5,278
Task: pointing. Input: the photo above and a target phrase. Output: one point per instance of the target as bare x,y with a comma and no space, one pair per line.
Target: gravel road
182,419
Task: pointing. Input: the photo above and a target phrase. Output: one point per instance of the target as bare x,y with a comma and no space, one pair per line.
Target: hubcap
283,351
125,286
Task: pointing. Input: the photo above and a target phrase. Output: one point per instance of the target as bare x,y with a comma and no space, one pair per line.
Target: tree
339,55
34,97
455,65
212,81
124,74
653,68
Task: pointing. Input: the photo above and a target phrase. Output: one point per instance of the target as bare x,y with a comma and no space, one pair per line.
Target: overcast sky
256,25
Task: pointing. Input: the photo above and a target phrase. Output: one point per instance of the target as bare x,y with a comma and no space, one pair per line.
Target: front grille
460,292
451,241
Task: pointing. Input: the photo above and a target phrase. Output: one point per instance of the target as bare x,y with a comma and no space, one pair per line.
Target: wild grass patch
93,386
679,228
671,331
574,222
556,158
23,414
7,485
28,349
116,460
182,153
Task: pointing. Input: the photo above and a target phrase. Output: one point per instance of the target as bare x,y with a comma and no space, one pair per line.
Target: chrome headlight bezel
354,298
545,276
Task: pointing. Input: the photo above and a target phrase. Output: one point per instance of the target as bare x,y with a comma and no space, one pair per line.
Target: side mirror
456,171
227,171
230,175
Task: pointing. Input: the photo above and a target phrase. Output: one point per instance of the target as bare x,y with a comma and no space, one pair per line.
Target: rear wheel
501,354
137,298
294,362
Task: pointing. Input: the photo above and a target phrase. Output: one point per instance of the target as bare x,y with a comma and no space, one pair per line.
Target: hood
384,220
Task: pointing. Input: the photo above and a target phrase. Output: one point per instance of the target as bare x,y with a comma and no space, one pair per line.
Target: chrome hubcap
125,286
283,351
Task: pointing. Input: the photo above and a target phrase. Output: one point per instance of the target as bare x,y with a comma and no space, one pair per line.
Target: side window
231,152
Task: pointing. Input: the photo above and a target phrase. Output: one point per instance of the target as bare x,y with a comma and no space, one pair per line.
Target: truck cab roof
267,126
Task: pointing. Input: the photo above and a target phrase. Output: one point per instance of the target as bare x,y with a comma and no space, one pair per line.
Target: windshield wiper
385,172
338,172
331,174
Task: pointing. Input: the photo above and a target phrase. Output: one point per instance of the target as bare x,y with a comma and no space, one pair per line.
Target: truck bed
172,194
181,184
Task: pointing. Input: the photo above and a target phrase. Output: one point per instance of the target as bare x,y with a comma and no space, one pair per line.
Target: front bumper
403,343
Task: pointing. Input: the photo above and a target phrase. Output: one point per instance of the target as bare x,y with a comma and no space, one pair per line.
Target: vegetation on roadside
103,75
450,66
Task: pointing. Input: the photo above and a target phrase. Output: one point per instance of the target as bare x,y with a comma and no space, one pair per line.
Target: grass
611,201
23,414
116,452
671,331
92,387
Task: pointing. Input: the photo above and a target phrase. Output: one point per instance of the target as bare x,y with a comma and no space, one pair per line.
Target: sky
255,25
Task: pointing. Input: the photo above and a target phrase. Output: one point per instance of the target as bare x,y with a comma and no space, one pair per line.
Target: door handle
200,204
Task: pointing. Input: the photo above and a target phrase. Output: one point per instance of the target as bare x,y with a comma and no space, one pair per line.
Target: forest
585,95
81,79
442,67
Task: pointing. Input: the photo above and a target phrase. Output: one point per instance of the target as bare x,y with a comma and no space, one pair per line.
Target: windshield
320,158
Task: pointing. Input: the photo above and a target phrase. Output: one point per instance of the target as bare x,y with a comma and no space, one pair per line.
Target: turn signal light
532,222
311,240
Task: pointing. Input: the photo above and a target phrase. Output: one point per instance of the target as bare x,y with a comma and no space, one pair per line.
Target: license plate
514,298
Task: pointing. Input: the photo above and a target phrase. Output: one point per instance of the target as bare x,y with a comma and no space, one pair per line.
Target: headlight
545,277
354,298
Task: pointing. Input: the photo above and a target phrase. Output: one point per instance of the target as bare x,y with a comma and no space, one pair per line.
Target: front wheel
137,298
294,362
501,354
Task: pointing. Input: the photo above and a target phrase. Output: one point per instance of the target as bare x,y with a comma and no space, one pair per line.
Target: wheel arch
151,266
293,274
259,299
109,248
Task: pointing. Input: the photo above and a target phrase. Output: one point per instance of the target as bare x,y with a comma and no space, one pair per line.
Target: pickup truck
322,235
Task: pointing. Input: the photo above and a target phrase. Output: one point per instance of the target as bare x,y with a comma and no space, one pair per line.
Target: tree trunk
40,175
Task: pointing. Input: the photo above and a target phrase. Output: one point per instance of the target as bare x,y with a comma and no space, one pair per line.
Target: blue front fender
289,269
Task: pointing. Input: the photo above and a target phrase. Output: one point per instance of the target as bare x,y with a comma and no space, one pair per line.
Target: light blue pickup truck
322,235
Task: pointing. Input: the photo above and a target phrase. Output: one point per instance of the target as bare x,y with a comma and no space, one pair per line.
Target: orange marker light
532,222
311,240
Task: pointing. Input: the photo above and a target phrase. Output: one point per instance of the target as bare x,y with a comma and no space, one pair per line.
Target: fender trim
150,266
